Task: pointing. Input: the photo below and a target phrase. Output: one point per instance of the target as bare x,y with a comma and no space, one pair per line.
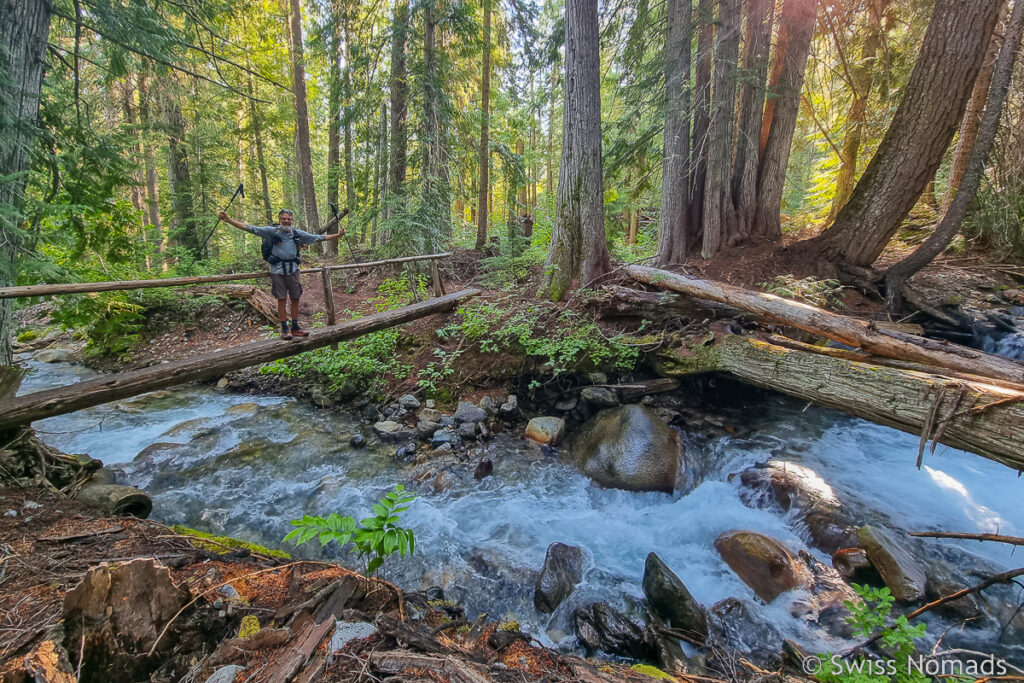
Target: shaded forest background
624,130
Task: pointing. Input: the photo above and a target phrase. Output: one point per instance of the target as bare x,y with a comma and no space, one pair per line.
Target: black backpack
268,246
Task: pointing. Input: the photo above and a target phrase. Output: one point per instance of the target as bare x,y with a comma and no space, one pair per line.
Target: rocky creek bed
758,511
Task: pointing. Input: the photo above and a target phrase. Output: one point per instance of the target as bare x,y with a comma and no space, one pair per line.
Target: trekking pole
338,218
239,191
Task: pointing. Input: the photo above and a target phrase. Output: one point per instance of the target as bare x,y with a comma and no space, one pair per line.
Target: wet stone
599,397
409,402
357,440
545,430
429,415
487,403
566,405
425,430
467,412
467,430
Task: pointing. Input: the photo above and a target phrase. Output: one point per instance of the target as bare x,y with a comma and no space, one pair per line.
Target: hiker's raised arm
231,221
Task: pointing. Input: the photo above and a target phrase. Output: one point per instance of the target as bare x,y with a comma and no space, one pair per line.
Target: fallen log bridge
950,394
25,409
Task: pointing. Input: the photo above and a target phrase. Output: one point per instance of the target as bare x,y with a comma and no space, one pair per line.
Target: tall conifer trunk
24,29
701,121
156,235
578,246
933,101
179,174
673,229
304,157
485,132
796,29
398,149
334,128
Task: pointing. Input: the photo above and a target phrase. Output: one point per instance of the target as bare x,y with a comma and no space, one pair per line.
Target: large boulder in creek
630,448
761,562
563,570
800,490
669,598
599,627
740,626
903,575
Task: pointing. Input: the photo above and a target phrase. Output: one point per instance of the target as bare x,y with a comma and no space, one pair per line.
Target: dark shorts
286,286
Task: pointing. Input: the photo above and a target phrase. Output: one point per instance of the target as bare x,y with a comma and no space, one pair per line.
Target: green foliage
365,362
27,336
111,321
438,371
512,262
374,539
652,672
820,293
868,617
561,338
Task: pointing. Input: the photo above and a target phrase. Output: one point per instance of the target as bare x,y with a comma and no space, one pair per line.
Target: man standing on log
283,258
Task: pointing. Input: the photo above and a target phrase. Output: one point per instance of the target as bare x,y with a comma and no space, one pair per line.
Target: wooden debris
71,538
397,662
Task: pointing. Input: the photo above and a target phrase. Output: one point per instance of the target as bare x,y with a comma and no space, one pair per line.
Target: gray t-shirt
284,247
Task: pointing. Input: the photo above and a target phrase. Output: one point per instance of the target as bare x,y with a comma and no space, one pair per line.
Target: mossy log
983,418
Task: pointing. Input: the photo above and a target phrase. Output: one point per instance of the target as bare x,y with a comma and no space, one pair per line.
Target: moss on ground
219,543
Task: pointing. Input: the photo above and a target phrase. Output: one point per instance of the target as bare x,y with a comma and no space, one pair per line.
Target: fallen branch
998,538
79,537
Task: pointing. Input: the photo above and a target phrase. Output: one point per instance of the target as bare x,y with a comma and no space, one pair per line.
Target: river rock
597,378
563,570
669,598
467,430
599,397
546,431
409,402
509,410
763,563
443,449
484,468
566,405
225,674
429,415
599,627
393,431
488,404
425,429
406,452
357,440
852,564
738,625
799,489
467,412
55,356
900,571
346,631
630,448
444,436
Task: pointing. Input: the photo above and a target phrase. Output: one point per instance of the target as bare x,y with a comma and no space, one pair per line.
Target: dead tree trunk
913,146
972,416
849,331
25,409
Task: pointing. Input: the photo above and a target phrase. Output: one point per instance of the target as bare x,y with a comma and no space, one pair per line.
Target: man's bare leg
296,330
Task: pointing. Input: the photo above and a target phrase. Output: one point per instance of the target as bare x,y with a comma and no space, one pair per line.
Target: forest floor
50,543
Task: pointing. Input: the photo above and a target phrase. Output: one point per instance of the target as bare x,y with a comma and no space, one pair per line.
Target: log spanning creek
244,466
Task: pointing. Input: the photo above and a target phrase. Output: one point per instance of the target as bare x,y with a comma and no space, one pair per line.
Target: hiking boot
296,332
285,334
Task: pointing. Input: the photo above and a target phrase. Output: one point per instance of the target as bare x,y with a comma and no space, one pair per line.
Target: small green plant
374,538
28,336
868,617
820,293
112,322
438,371
652,672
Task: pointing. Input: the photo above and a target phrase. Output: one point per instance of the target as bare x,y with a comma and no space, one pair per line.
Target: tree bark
435,168
862,76
334,127
701,122
346,118
399,106
304,156
268,213
975,108
760,16
913,146
186,232
578,246
849,331
485,133
28,408
985,136
24,30
796,29
896,398
550,186
156,235
674,238
717,195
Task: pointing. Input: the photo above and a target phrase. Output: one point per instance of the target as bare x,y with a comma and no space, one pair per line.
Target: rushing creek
244,466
